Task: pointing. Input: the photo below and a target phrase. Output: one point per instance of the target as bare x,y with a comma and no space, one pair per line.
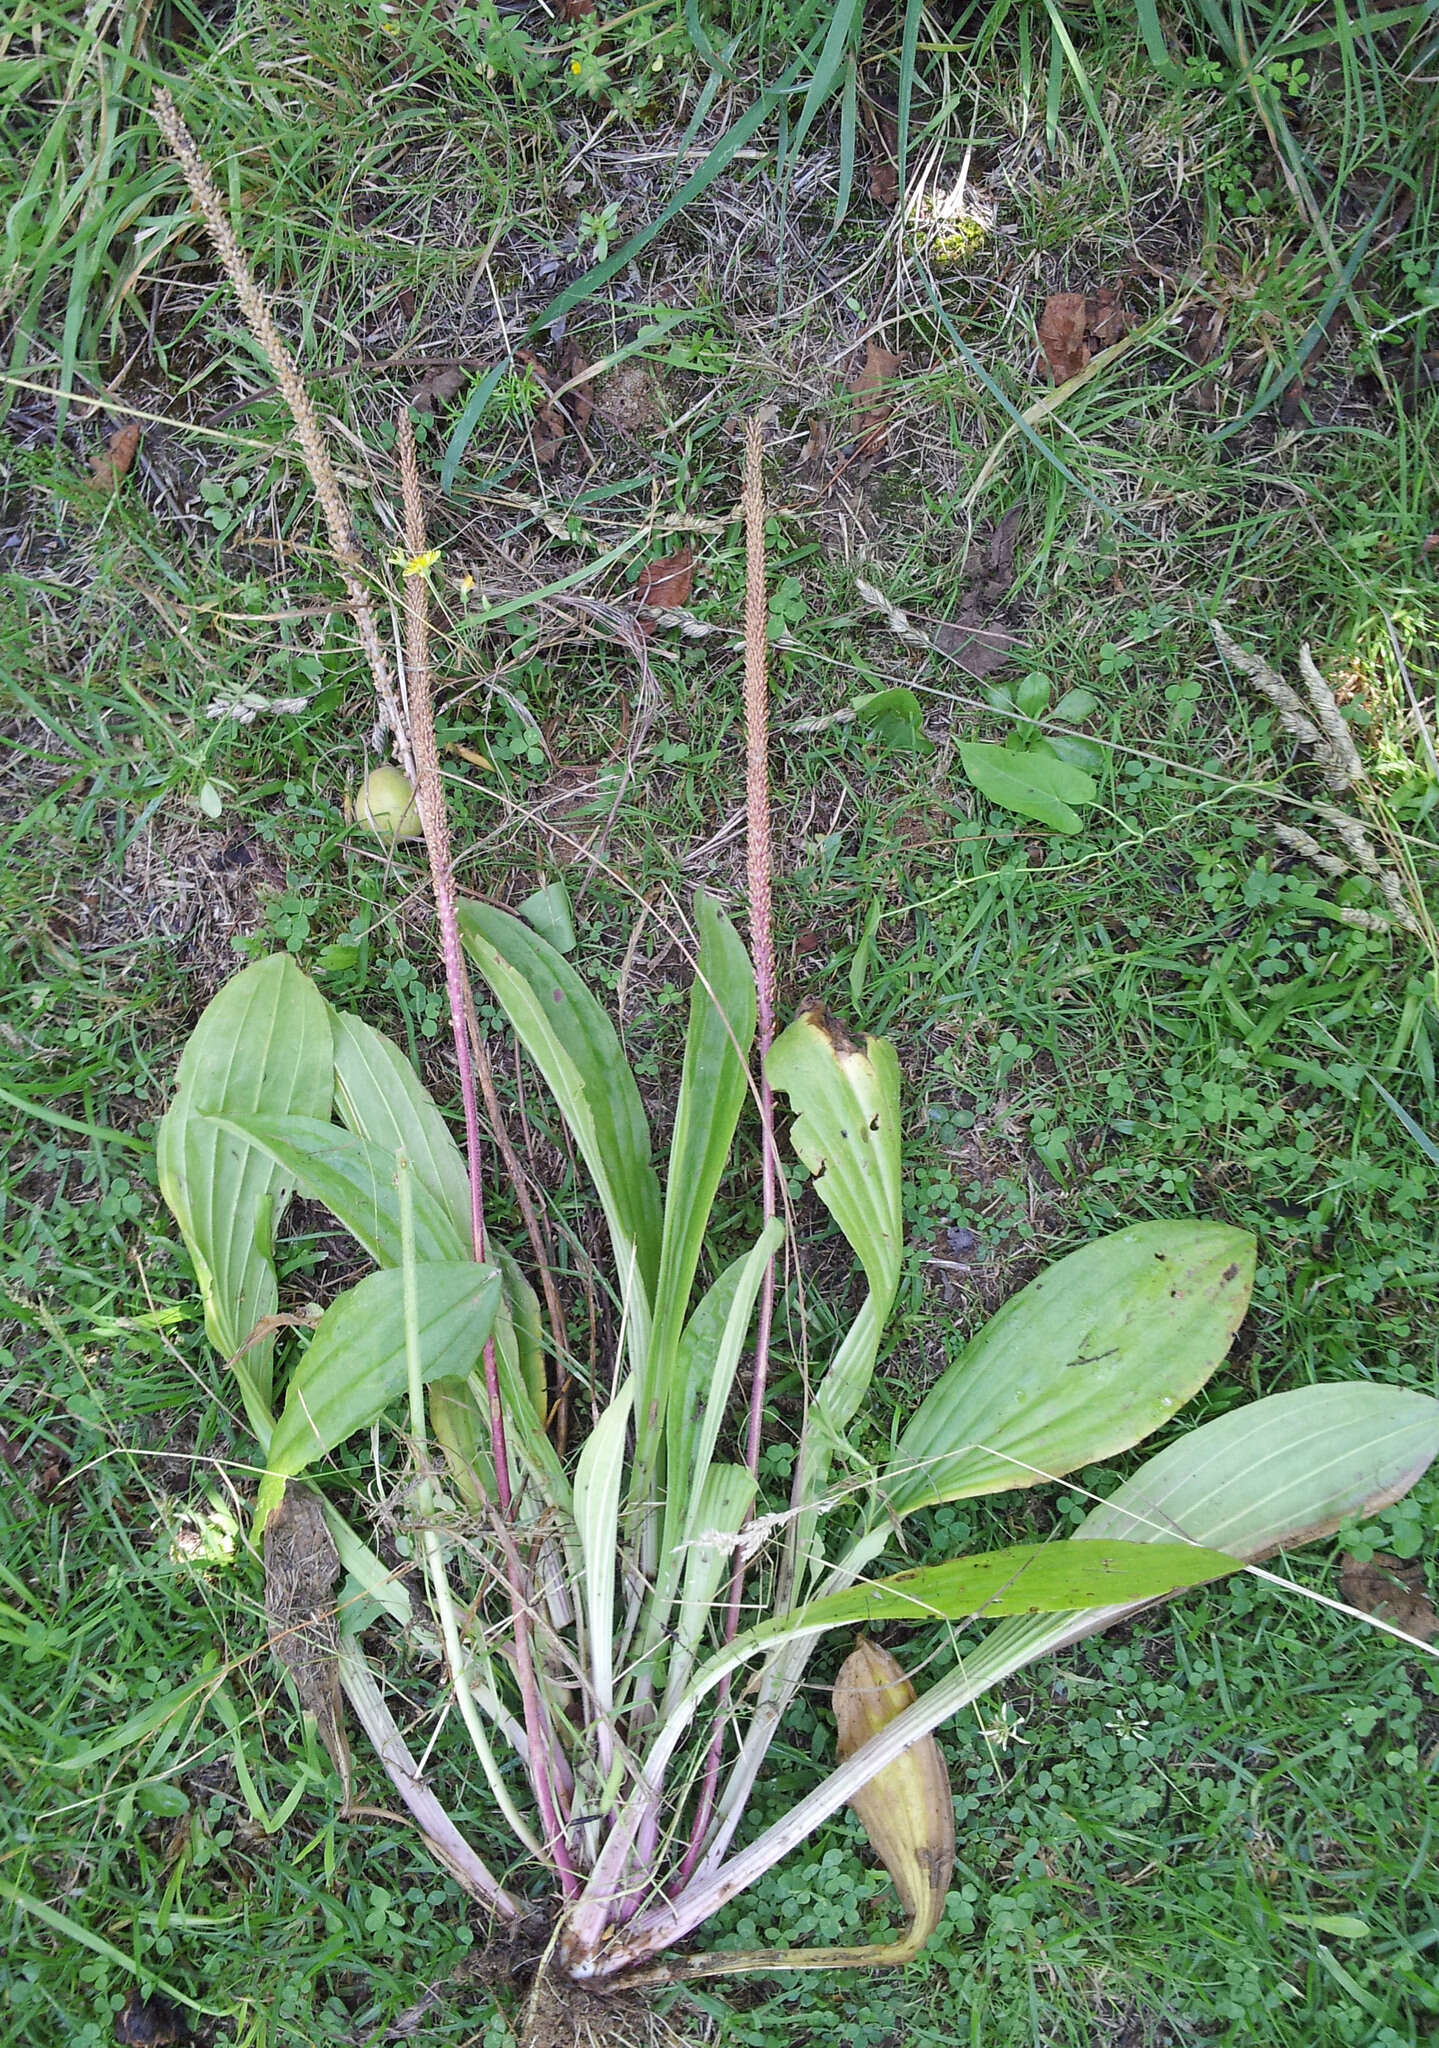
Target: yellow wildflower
415,565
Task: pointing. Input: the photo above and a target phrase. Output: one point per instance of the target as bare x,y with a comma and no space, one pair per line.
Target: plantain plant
622,1630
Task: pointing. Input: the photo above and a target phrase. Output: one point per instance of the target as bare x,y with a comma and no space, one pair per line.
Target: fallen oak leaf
871,413
113,462
668,581
1063,325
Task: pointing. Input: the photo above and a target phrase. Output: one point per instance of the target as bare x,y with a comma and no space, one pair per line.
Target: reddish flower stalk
759,873
430,802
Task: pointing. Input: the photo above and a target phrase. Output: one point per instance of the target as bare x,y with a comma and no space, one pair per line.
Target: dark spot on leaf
1230,1273
558,995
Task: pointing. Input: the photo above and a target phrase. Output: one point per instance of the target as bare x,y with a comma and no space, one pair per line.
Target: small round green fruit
386,803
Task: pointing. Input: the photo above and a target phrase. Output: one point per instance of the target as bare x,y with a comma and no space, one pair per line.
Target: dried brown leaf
1391,1590
301,1566
1203,329
978,648
817,440
1063,325
906,1809
579,399
1106,318
114,460
884,173
440,383
980,637
865,386
667,581
574,10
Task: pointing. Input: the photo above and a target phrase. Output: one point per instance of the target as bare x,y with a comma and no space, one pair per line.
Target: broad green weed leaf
575,1047
262,1048
1286,1470
1024,1578
598,1482
718,1513
1030,785
1032,695
894,718
356,1364
356,1182
846,1130
845,1098
1092,1356
548,910
381,1097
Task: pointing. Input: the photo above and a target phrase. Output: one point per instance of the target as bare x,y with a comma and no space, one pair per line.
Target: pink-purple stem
758,871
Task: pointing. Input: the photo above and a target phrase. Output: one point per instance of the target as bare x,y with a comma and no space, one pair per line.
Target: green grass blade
845,23
468,420
908,68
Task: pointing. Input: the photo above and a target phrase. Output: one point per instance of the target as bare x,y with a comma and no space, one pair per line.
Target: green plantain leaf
356,1364
1098,1352
355,1179
1031,785
1024,1578
846,1130
720,1510
380,1097
1280,1472
1288,1469
262,1047
599,1478
713,1085
574,1045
